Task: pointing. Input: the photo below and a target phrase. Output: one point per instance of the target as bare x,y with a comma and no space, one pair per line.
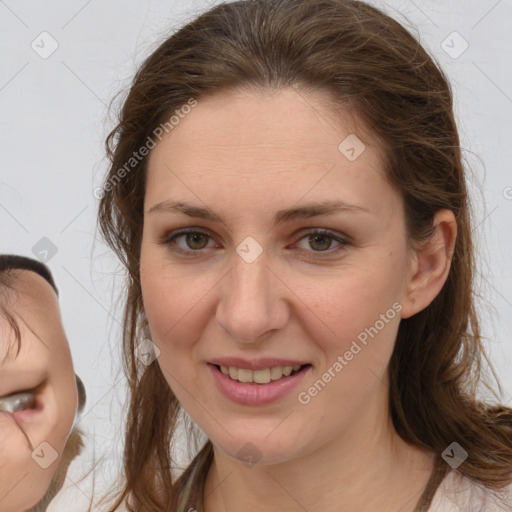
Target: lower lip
256,394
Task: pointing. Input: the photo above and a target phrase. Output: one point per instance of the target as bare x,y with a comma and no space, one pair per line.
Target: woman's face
32,441
250,293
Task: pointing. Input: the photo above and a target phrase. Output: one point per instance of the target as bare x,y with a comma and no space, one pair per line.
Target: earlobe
431,264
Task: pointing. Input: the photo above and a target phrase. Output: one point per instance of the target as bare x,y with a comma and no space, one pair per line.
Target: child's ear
430,265
82,395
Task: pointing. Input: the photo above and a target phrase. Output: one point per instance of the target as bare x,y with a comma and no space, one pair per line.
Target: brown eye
194,241
321,241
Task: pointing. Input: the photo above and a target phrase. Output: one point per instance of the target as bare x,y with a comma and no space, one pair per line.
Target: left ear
431,264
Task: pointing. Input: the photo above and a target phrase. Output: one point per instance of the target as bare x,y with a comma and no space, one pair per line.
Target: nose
253,301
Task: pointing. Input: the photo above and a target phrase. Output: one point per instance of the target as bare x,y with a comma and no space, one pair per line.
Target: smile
254,393
263,376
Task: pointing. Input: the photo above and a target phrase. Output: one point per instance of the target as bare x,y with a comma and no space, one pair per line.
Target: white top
457,493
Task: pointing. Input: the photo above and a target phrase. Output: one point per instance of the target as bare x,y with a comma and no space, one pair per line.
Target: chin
257,450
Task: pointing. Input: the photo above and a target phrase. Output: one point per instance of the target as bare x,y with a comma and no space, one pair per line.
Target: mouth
260,377
257,387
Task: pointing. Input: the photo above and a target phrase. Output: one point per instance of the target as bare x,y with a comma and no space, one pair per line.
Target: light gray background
54,120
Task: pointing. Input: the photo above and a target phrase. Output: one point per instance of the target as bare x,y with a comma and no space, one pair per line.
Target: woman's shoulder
458,493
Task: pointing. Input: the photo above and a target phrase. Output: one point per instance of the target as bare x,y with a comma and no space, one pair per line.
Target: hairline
12,263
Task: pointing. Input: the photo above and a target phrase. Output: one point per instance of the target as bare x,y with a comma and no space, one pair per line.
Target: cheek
64,393
18,471
67,404
348,303
176,316
169,302
173,295
12,444
176,305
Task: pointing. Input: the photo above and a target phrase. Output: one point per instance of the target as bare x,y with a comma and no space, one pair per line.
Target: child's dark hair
9,265
11,262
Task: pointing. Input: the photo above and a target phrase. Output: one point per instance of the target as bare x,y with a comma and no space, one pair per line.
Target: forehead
42,345
27,286
268,146
30,298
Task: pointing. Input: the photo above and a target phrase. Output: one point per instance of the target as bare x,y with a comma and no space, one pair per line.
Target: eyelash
171,237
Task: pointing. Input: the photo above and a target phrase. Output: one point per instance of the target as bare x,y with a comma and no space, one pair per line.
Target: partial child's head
35,443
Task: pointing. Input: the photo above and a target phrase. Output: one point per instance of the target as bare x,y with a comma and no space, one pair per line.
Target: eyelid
172,235
341,239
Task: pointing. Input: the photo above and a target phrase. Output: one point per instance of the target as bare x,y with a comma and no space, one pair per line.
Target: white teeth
276,373
262,376
258,376
287,370
245,375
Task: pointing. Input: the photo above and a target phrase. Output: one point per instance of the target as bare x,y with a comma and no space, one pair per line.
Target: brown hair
374,67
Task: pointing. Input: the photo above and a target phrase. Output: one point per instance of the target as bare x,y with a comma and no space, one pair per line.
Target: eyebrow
298,212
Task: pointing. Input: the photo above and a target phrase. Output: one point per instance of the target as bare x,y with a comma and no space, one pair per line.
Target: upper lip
256,364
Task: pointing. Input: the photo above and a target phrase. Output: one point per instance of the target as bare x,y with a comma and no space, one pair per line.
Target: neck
364,469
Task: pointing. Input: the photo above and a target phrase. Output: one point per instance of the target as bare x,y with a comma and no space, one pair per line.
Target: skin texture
245,155
44,357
